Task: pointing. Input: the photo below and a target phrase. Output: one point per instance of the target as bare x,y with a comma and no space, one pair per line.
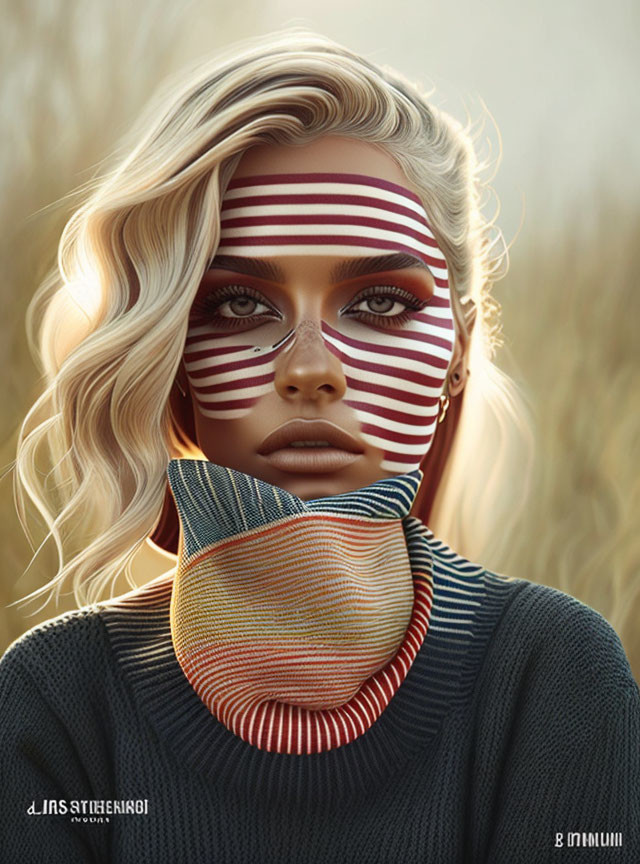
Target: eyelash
207,306
412,303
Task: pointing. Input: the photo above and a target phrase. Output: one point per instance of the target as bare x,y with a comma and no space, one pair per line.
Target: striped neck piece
325,213
295,621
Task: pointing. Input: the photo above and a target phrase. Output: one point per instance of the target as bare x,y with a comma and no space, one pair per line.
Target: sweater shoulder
554,636
49,651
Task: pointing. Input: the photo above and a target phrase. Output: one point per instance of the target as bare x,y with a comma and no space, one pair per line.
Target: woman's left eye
385,302
381,305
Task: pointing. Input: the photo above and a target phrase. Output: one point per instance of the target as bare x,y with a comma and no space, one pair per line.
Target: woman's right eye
242,306
232,303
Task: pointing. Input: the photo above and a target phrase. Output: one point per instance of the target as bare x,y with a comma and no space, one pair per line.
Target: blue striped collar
214,502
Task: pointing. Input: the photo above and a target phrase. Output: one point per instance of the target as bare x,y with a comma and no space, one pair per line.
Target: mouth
310,447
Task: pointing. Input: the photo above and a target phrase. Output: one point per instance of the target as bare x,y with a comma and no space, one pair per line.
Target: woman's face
315,370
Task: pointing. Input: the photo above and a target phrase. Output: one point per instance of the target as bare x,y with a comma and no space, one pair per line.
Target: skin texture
309,381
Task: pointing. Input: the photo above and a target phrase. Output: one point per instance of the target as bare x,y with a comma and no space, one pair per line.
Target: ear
459,366
182,412
167,533
182,381
433,464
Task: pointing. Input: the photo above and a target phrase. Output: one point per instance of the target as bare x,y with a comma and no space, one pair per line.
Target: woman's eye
380,306
242,306
231,305
384,305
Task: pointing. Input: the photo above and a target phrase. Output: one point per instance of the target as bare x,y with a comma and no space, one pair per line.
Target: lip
343,448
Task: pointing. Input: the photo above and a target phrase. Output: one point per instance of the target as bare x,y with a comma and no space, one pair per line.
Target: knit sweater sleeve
567,777
40,759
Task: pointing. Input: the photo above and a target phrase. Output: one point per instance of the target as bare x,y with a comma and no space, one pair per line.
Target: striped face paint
395,372
228,378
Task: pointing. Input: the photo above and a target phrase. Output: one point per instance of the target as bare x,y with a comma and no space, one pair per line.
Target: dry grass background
571,309
72,81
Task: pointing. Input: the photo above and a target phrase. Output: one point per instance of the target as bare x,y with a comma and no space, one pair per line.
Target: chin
307,486
316,485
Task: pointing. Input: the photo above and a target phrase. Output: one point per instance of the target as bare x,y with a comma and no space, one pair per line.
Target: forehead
325,213
330,153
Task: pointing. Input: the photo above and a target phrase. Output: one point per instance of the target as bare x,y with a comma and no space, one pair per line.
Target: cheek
394,381
226,378
394,378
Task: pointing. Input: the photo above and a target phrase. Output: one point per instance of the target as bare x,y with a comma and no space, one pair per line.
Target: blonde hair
109,324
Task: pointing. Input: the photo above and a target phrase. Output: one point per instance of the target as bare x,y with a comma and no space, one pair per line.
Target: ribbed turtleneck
295,621
466,602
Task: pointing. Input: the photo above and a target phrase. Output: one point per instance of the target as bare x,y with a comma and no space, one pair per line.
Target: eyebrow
349,269
259,267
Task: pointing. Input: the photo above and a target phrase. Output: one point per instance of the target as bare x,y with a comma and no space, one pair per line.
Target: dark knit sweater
519,722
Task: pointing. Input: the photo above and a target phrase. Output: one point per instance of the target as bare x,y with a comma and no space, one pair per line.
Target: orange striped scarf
295,622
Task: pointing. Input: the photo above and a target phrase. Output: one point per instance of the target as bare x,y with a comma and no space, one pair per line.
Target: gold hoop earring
444,404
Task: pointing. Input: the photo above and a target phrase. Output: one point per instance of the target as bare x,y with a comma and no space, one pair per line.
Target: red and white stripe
394,376
226,378
330,214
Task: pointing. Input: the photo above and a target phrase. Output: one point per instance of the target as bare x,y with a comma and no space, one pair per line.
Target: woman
279,287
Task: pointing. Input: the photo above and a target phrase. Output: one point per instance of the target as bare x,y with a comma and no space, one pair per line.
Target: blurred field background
560,82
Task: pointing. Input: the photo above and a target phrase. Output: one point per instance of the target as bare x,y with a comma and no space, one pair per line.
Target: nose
308,370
